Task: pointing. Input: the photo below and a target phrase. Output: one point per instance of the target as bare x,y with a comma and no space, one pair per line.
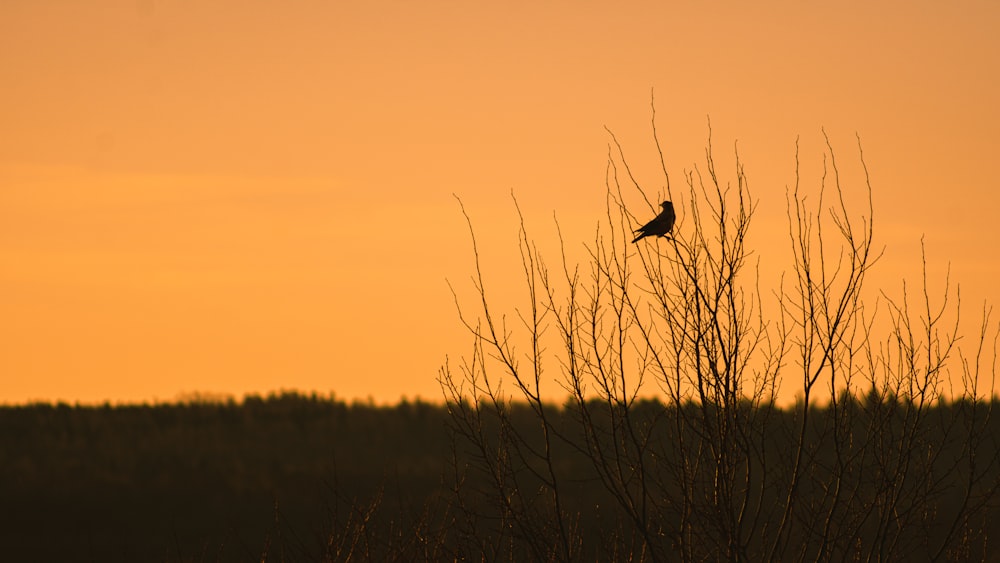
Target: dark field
297,478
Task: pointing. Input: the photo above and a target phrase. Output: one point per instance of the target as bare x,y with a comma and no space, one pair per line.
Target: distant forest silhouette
292,477
203,481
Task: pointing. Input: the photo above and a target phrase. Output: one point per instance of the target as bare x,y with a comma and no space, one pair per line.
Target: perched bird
661,225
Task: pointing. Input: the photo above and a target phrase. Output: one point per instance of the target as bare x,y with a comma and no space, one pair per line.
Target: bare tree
672,445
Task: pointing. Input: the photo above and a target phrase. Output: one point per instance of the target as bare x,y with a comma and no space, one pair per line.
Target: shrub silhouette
873,462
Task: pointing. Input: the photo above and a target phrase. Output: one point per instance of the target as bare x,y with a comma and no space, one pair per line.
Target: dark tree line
206,481
297,478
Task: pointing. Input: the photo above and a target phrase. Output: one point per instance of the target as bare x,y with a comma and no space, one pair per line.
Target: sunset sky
230,196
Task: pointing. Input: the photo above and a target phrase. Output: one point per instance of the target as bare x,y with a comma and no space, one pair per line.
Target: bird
661,225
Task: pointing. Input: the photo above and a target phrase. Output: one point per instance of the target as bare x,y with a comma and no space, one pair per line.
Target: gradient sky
242,196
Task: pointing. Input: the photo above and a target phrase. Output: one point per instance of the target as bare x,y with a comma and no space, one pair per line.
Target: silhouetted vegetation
889,454
299,478
206,481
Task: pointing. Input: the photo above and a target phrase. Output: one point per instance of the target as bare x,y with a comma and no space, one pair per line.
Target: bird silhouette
661,225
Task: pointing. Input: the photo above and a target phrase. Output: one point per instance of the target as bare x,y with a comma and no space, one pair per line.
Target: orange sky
241,196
